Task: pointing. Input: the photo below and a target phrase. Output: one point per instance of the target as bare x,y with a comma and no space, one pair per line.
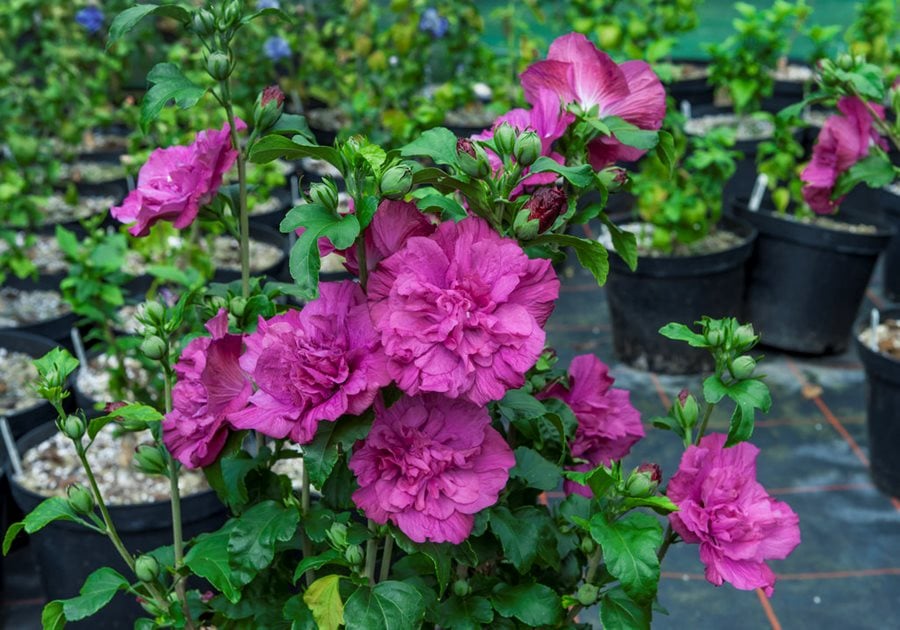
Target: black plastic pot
882,403
674,289
21,422
696,91
67,553
273,218
890,205
58,329
262,234
806,282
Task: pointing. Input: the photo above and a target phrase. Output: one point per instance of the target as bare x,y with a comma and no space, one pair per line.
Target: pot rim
876,363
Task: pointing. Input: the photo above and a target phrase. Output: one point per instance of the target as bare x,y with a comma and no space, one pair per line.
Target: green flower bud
150,460
73,427
588,545
237,306
217,302
218,66
269,105
742,367
687,410
396,182
232,14
524,226
337,535
154,348
354,555
744,336
80,498
643,481
505,139
204,22
587,594
325,193
154,312
146,568
472,159
715,337
846,62
461,588
527,148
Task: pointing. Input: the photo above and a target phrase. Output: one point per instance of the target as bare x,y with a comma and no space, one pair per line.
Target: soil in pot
708,279
890,203
87,172
19,403
57,210
39,312
92,382
326,123
882,398
267,254
808,277
67,553
314,170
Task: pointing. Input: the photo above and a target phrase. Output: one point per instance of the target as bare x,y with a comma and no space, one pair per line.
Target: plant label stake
873,323
759,189
79,347
295,190
686,109
129,179
10,447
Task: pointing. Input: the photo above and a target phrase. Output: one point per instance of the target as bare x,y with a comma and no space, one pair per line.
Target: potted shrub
691,261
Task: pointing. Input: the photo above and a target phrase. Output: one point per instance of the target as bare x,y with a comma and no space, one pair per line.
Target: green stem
386,558
371,553
118,380
704,422
304,510
361,259
244,216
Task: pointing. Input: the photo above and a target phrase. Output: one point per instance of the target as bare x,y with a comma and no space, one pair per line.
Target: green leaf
875,170
741,426
208,558
680,332
253,537
599,480
58,360
168,84
331,556
134,412
320,455
324,600
68,242
532,468
11,533
629,549
278,13
624,242
665,151
390,605
451,209
274,147
437,553
293,125
465,613
298,613
97,592
439,144
46,512
366,210
519,405
714,389
591,254
620,612
748,396
52,617
532,604
318,222
123,23
581,176
630,135
521,533
659,504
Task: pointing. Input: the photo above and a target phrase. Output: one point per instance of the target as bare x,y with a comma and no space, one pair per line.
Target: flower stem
304,509
386,558
361,259
371,553
244,217
704,422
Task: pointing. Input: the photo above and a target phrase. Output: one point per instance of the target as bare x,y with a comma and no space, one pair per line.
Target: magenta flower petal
724,509
394,223
428,465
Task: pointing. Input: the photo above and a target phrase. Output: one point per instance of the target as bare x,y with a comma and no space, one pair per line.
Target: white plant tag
759,189
295,190
10,447
686,109
873,333
79,346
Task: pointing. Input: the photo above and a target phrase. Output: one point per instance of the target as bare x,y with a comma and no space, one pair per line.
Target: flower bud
237,306
73,427
154,312
587,594
588,545
146,568
354,555
527,148
505,139
150,460
614,178
715,337
396,181
218,66
461,588
524,227
154,348
80,498
686,409
545,205
472,159
742,367
643,481
744,336
325,194
337,535
232,14
204,22
269,105
846,62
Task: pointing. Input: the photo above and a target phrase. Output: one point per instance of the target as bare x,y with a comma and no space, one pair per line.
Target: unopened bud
237,306
326,194
643,480
687,409
614,178
204,22
354,555
472,159
715,337
527,148
269,105
505,139
218,66
154,312
744,336
73,427
545,205
742,367
588,545
461,588
232,14
396,181
337,535
146,568
587,594
150,460
80,499
154,348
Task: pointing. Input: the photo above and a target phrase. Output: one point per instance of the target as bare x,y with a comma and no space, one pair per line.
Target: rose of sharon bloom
608,425
311,365
460,312
843,141
394,223
211,386
577,72
175,182
726,510
428,465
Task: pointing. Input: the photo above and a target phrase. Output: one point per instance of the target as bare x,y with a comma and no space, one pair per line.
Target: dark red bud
683,395
464,145
272,93
205,597
545,205
654,471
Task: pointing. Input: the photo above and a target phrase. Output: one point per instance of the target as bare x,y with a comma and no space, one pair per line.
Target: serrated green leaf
581,176
168,84
465,613
523,534
11,532
331,556
532,468
208,558
318,222
620,612
298,613
390,605
321,455
271,11
293,125
630,135
591,254
135,412
624,242
273,147
125,21
874,170
324,600
680,332
98,590
366,210
665,151
714,389
52,617
659,504
439,144
451,209
532,604
629,549
251,546
438,554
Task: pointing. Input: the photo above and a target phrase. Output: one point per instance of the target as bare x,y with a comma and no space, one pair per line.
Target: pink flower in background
393,224
577,72
608,425
727,511
211,386
460,312
312,365
428,465
176,181
843,141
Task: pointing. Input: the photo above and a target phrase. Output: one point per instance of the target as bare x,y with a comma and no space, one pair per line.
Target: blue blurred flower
433,22
267,4
91,18
276,48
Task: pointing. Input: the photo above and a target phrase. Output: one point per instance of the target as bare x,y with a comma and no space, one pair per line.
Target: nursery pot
806,282
696,90
674,289
890,204
67,553
882,402
272,219
21,422
57,329
262,234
